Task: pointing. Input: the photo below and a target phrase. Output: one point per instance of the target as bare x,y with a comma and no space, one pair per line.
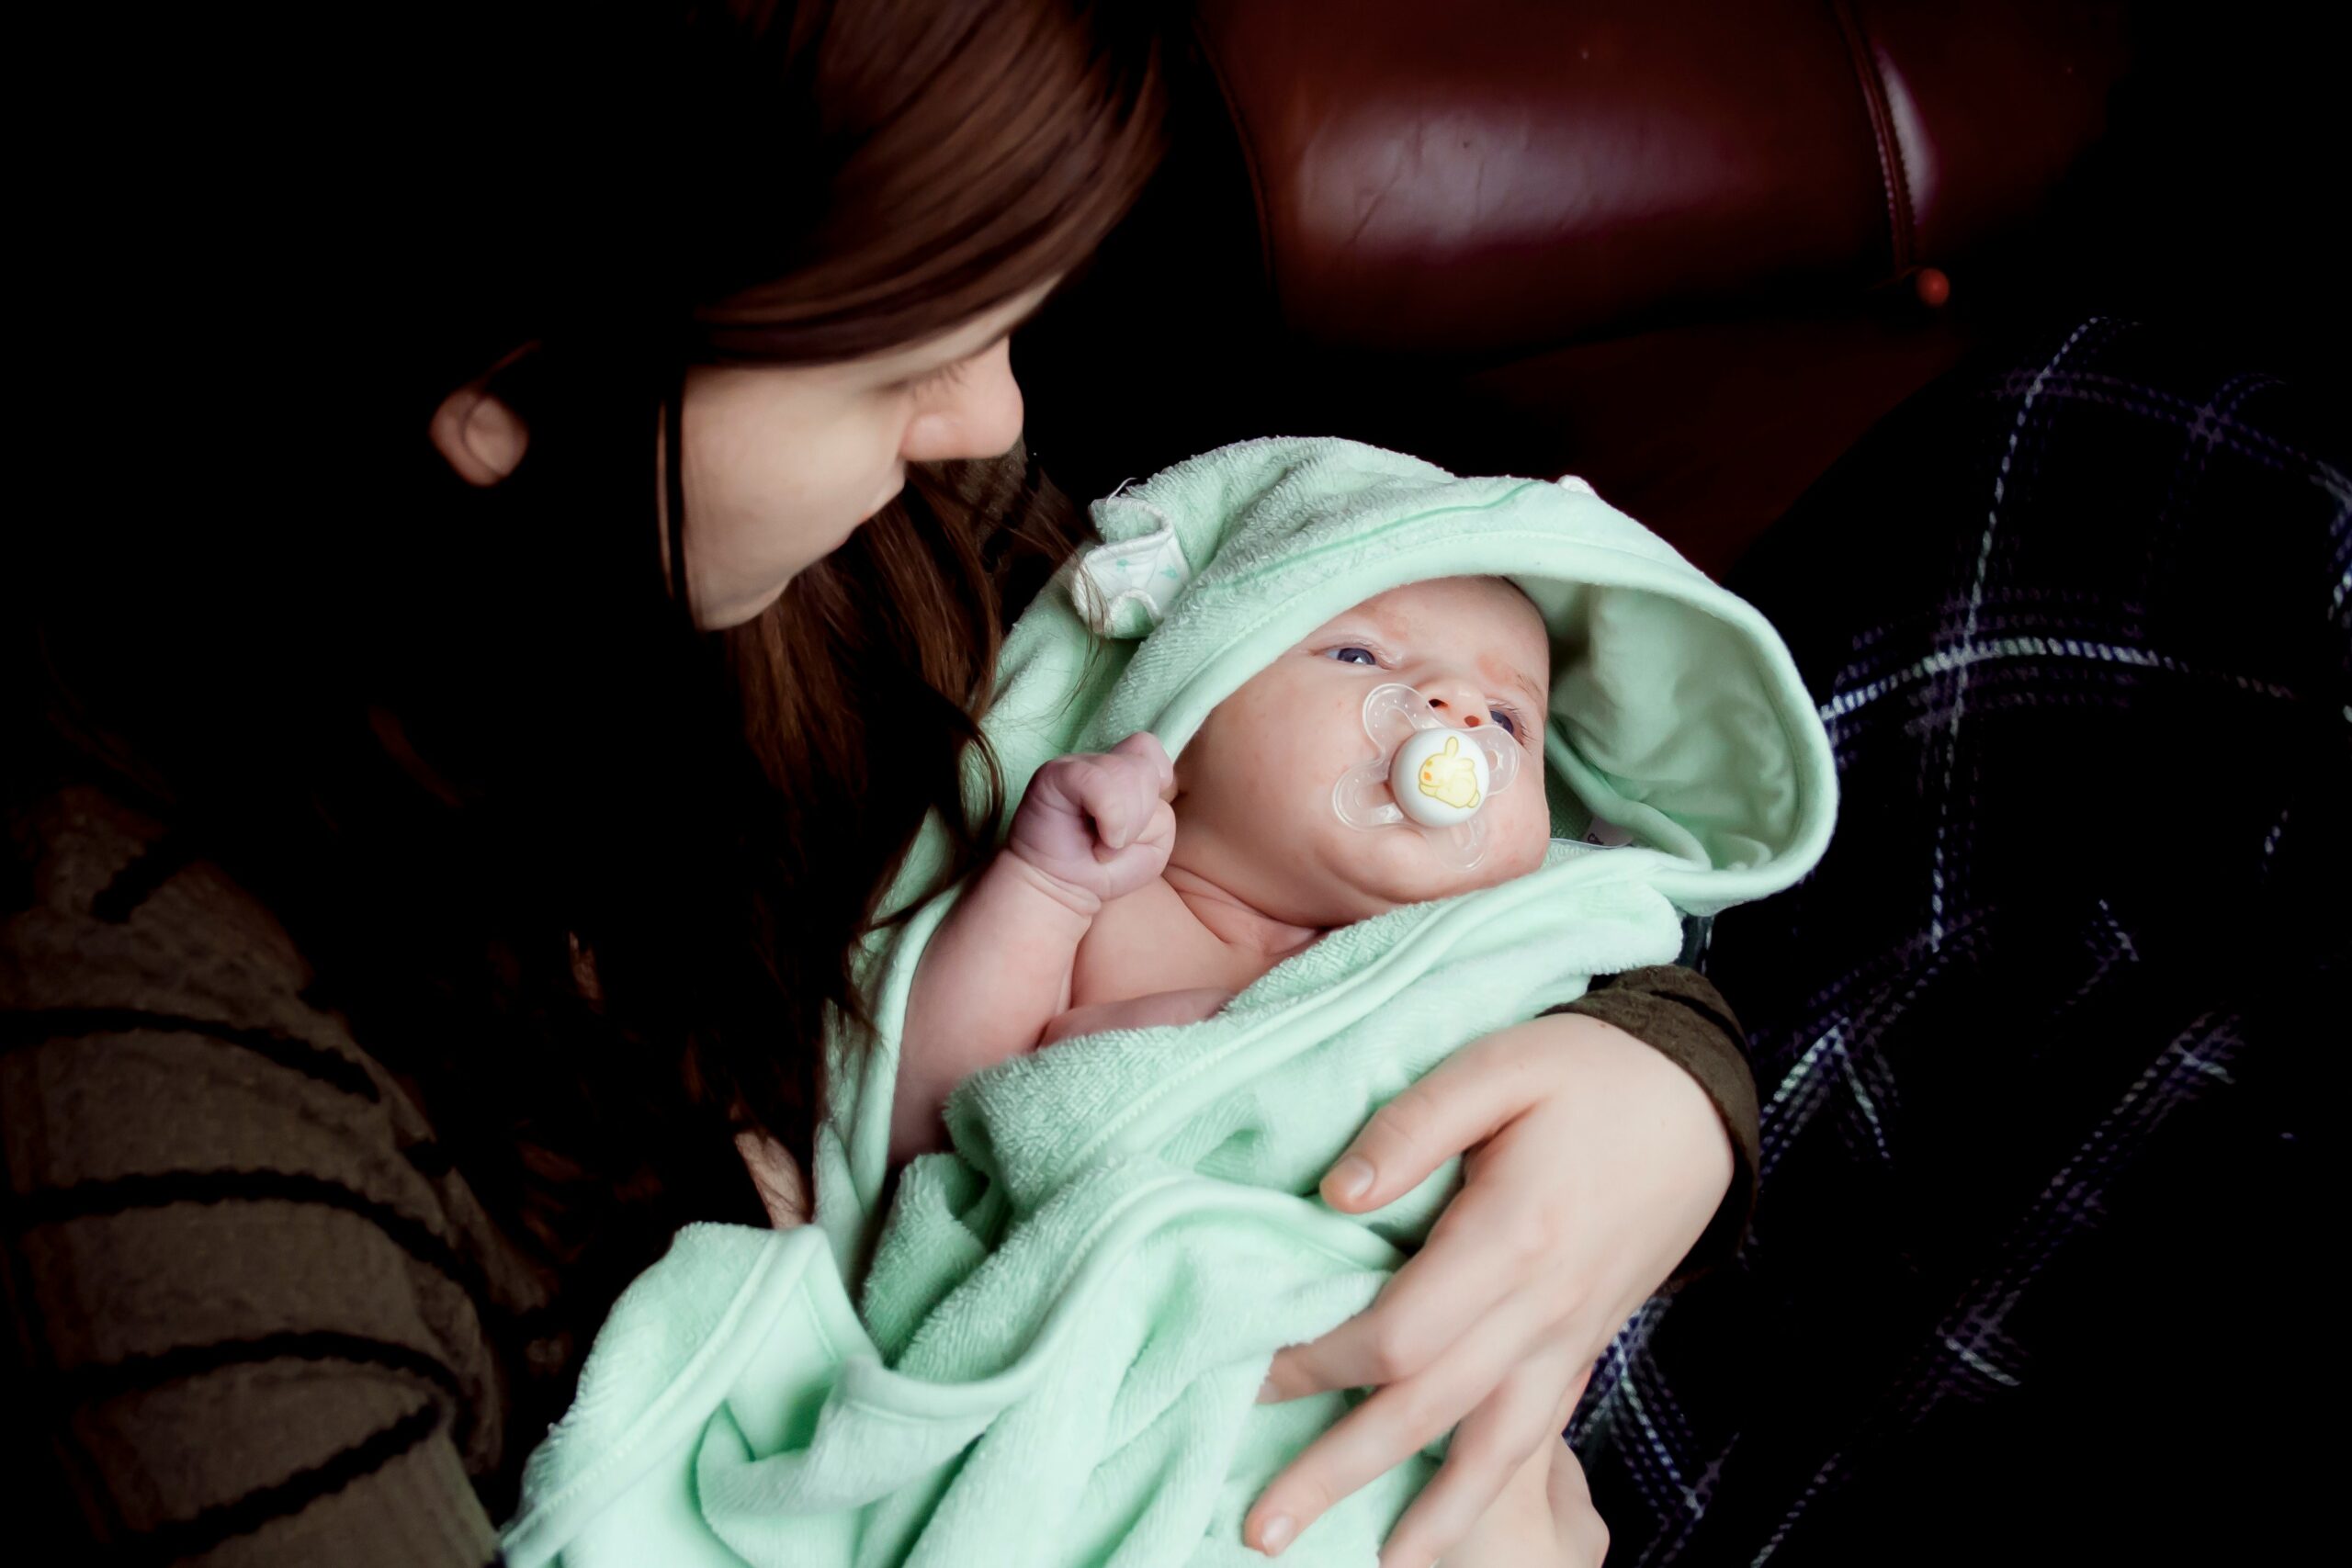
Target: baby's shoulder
1148,942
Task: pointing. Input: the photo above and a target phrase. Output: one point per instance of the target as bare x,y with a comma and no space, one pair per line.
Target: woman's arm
1679,1013
245,1314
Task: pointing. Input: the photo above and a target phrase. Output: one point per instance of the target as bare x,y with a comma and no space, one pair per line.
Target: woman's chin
875,510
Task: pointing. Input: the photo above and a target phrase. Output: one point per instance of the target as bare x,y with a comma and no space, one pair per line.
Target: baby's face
1253,806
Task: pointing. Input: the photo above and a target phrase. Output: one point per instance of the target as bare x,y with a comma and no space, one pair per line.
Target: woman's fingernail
1275,1533
1268,1393
1351,1177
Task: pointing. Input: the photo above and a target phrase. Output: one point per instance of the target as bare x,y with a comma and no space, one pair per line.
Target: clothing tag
1123,588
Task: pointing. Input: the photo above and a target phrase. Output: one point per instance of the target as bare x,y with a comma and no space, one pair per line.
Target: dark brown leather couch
1691,249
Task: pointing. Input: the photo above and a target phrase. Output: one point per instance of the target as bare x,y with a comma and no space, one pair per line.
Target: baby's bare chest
1149,941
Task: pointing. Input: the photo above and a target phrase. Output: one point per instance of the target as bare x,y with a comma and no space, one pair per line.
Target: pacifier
1426,772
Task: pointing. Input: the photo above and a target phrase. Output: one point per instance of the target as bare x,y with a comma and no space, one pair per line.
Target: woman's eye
945,374
1356,656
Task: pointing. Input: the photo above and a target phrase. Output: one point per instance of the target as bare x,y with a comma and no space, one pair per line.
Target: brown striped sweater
253,1317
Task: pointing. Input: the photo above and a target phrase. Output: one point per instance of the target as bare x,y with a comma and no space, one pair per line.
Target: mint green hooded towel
1046,1349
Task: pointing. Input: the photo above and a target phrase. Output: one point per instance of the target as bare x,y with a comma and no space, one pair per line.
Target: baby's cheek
1529,835
1282,758
1288,810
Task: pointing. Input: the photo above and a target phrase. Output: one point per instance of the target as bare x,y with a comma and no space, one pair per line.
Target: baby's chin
1383,868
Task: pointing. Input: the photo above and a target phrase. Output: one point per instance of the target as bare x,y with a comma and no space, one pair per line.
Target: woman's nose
977,414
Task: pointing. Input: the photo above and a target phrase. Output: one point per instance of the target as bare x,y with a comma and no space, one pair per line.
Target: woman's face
784,462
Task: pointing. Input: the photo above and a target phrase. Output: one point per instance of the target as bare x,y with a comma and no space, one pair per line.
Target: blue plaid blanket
2040,1045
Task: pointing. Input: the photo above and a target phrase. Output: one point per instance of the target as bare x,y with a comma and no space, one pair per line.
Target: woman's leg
2038,1043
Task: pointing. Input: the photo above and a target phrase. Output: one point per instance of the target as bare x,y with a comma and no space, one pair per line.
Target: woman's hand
1593,1165
1544,1517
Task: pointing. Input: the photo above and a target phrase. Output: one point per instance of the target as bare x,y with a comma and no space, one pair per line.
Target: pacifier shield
1427,773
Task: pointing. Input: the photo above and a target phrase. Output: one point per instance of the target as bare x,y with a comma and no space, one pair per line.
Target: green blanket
1061,1324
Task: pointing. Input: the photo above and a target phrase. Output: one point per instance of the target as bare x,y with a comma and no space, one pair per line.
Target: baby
1133,892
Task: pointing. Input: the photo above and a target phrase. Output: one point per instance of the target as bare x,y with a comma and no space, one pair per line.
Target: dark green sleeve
1679,1013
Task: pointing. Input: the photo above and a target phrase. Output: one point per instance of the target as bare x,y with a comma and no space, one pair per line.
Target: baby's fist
1098,825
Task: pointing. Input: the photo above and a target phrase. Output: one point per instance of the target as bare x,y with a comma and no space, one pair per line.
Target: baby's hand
1098,825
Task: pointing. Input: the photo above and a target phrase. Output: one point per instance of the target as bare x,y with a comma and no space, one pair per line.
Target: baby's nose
1456,702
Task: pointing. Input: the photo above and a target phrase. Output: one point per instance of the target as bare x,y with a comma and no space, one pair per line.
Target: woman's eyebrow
1018,323
1021,321
1012,327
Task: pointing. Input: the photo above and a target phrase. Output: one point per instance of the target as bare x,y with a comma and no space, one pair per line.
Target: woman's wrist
1612,1061
1678,1014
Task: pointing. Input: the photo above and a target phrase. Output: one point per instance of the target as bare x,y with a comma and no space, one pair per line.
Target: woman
431,878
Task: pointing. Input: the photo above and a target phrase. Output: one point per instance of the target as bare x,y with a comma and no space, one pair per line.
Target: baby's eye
1511,720
1352,655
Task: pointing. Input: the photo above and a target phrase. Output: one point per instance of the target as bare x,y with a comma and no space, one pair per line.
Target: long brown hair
585,877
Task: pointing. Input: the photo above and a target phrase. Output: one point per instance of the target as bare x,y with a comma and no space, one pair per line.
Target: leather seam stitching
1901,222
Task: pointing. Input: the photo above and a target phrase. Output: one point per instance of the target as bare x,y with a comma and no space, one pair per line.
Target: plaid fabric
2039,1044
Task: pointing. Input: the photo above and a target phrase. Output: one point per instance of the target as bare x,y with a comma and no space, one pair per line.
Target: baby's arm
1153,1012
1091,829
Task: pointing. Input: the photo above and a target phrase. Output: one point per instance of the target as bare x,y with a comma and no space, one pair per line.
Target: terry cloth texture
2041,1041
1062,1323
253,1317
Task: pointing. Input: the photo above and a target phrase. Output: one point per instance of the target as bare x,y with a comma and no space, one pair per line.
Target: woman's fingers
1464,1100
1488,1449
1481,1250
1575,1521
1571,1395
1388,1428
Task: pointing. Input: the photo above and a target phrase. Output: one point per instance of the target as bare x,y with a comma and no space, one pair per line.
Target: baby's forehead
1488,612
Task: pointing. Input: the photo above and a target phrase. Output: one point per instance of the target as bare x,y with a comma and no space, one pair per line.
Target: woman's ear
477,432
